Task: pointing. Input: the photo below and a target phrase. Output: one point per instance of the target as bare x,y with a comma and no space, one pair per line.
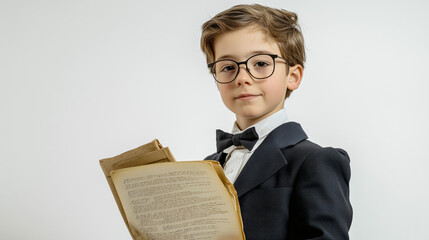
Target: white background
85,80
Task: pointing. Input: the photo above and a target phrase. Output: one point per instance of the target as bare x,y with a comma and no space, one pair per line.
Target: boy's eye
260,64
227,68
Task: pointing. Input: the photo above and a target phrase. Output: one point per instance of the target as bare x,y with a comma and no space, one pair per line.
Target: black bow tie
246,139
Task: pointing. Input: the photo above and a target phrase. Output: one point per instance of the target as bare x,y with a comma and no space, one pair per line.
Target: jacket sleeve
211,157
320,206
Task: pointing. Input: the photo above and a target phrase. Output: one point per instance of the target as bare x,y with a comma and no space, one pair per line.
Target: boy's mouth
247,97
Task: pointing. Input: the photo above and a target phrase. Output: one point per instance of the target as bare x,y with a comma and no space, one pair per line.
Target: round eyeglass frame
273,56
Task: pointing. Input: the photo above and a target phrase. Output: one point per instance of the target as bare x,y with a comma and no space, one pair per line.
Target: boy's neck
244,123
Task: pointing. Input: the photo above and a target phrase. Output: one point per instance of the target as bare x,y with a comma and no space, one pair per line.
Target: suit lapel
268,158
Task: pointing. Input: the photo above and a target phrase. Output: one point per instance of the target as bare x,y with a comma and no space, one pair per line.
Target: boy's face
252,99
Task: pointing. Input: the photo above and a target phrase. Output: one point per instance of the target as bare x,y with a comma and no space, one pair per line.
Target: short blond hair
279,24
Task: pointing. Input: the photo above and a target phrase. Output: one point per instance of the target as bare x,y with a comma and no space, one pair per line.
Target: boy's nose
243,76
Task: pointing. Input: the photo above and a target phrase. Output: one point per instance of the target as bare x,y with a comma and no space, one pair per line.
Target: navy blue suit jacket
294,189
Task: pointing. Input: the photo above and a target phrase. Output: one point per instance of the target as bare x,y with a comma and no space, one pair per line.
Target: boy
288,187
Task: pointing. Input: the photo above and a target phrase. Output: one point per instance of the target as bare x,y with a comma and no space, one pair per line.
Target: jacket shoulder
306,157
309,150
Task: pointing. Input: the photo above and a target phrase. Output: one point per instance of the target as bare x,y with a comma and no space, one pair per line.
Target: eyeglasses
259,66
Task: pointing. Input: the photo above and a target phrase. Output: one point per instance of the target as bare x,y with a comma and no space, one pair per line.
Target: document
160,198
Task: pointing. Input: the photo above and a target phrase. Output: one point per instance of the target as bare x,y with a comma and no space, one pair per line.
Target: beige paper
160,198
182,200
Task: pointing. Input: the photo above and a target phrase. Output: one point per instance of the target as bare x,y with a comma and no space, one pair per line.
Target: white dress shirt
238,156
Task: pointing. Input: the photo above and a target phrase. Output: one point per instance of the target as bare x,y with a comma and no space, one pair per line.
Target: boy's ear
294,77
